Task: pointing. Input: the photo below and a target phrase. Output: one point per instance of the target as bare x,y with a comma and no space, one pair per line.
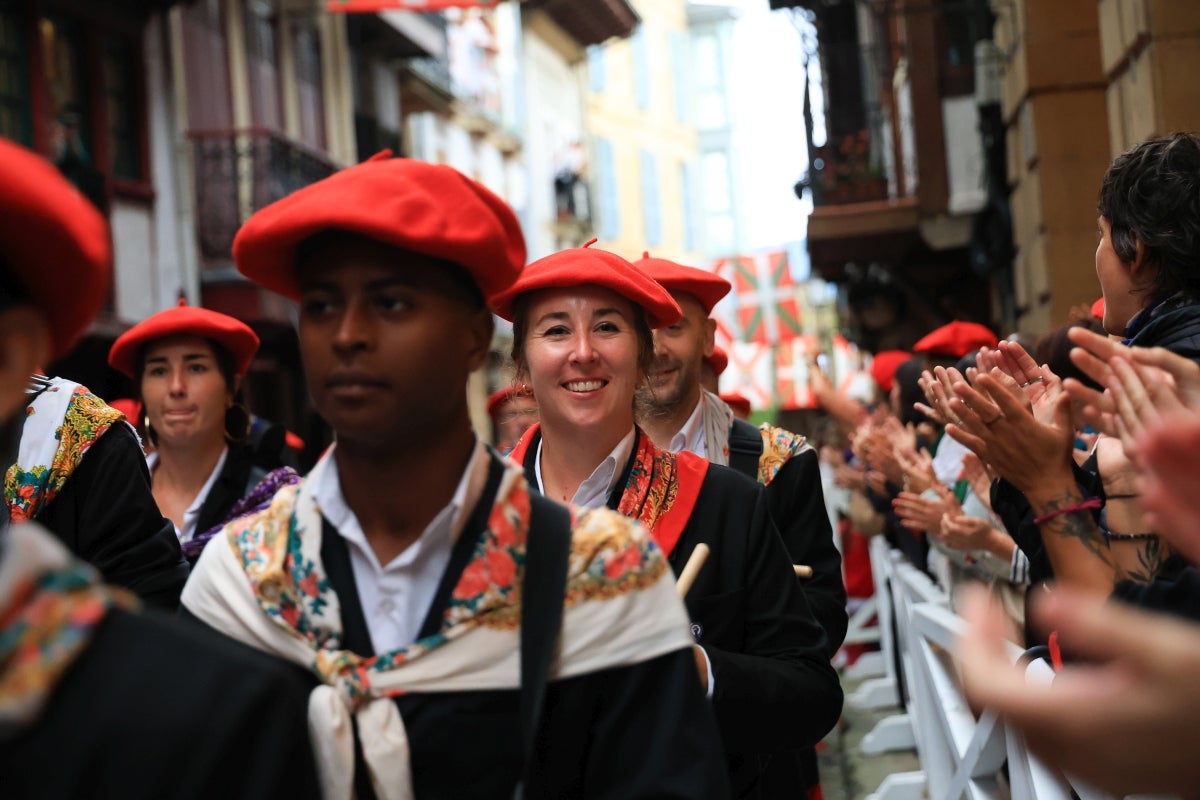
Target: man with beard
679,414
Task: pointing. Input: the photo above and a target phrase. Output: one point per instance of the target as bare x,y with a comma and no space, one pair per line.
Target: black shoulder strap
547,551
745,448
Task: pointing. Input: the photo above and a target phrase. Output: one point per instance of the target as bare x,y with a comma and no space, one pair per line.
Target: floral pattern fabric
779,446
61,425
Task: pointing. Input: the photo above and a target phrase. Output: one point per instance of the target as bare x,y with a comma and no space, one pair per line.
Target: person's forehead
587,296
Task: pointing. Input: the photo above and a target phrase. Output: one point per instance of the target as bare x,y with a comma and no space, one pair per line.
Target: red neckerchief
661,491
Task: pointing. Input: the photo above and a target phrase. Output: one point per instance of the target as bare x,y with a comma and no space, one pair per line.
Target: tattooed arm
1035,456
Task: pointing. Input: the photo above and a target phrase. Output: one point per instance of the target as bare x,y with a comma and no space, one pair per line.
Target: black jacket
106,515
155,709
774,688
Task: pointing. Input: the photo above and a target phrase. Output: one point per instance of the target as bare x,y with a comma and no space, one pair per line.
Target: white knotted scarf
262,582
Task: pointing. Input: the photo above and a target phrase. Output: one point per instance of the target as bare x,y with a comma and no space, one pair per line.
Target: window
606,179
719,230
14,81
651,206
262,64
641,67
595,62
121,108
687,189
708,72
311,98
680,74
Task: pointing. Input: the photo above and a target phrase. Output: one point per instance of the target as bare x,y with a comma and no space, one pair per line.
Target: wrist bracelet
1084,505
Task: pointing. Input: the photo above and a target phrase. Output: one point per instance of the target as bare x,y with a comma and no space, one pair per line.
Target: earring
237,423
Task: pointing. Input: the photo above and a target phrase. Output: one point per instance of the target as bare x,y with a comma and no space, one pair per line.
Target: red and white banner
374,6
792,360
749,373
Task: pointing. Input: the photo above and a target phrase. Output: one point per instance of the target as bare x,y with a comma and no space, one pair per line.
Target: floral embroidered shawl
262,582
61,424
49,605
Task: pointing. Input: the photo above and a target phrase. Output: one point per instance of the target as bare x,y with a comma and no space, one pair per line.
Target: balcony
848,173
238,172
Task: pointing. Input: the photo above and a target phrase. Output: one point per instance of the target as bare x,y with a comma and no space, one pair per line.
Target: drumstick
691,569
802,571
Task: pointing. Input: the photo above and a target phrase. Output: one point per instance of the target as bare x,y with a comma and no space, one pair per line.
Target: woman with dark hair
582,322
1148,259
188,364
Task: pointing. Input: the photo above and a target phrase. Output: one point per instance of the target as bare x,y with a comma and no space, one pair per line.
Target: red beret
956,339
738,403
719,360
426,208
884,366
54,243
591,265
503,395
704,286
234,335
1098,309
132,409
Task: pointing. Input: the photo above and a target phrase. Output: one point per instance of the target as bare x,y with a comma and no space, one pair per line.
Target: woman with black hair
188,364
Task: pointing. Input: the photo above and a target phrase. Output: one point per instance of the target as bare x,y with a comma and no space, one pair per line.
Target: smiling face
388,339
184,391
679,353
580,352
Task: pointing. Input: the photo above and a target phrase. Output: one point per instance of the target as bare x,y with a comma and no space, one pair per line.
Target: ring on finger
1038,379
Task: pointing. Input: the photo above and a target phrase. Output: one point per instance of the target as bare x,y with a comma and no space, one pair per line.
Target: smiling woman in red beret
582,338
188,364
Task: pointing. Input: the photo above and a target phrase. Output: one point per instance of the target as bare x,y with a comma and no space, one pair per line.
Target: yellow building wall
613,114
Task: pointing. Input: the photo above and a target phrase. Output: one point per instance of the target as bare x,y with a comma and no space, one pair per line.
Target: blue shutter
680,74
595,61
687,188
641,68
651,208
610,220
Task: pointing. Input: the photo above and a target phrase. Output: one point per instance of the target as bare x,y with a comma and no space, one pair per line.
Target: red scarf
661,491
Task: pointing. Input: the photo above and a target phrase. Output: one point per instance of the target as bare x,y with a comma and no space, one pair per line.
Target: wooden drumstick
691,569
802,571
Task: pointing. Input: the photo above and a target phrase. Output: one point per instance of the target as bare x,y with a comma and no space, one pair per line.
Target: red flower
291,615
308,584
473,581
621,563
501,567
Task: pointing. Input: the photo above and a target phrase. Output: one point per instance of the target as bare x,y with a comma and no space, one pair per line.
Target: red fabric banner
373,6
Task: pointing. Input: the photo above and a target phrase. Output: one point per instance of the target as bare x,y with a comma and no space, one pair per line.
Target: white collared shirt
192,515
396,596
691,436
594,492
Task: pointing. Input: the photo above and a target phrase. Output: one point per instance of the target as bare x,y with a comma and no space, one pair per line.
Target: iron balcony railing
238,172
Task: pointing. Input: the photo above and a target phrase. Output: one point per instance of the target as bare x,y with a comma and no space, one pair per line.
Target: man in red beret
679,414
96,698
513,410
412,571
